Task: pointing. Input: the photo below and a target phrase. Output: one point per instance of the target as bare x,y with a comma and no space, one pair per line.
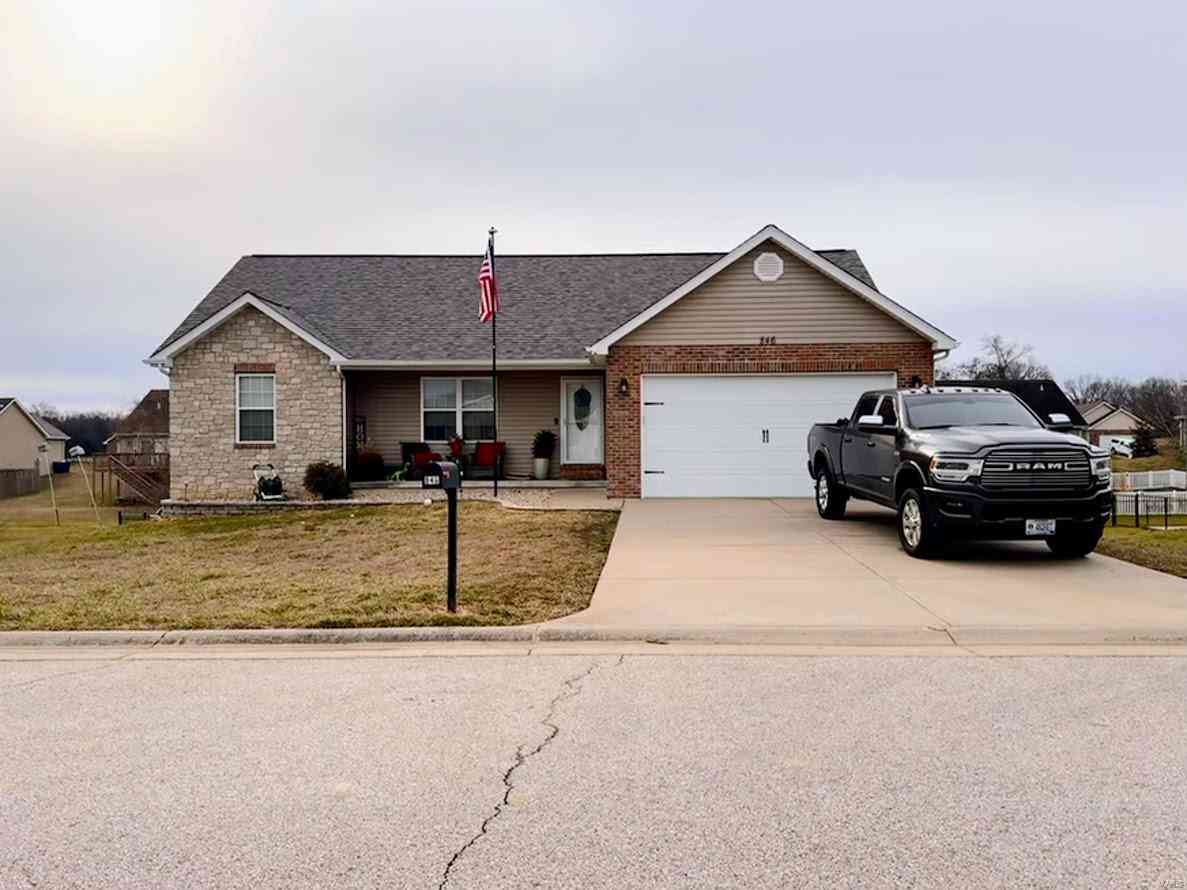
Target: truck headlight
944,468
1102,468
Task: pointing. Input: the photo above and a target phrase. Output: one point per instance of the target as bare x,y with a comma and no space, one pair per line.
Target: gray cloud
1015,169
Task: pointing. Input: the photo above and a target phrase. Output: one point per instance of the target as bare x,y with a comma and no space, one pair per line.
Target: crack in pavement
103,665
571,688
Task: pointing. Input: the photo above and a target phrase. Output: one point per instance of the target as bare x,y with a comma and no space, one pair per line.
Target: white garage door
739,436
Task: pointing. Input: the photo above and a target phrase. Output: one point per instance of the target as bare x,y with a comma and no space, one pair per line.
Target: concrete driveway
775,563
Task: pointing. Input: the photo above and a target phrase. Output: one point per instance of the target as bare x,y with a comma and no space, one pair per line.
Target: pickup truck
963,462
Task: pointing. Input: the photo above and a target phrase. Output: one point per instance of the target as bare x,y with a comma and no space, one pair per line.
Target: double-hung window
457,406
255,408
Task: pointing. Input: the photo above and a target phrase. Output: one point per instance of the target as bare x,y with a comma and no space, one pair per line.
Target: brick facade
205,461
622,412
582,471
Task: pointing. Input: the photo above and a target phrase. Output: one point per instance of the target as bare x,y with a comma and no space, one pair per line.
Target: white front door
739,436
582,410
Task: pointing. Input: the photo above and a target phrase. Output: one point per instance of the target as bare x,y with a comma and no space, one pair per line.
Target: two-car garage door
739,436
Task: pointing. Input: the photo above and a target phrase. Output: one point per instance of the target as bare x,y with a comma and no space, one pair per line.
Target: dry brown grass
360,567
1165,551
74,502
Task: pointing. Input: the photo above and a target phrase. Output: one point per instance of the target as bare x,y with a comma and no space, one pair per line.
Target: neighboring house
1045,398
1107,421
21,435
145,430
671,374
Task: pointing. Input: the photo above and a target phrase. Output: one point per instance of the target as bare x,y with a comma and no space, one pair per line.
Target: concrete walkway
767,563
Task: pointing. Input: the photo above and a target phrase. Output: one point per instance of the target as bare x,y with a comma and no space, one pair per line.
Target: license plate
1040,526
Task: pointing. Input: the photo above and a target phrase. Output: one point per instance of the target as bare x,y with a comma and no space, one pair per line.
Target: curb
565,632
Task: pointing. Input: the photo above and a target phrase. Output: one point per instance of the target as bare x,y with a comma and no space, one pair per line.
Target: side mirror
871,423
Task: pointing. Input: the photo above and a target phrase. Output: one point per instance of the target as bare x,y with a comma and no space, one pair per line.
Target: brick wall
205,461
582,471
622,412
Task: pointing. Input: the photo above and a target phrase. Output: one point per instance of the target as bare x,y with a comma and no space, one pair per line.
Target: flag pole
494,367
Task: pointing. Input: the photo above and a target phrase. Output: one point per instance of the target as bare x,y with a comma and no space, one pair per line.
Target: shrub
327,481
1143,442
544,444
368,465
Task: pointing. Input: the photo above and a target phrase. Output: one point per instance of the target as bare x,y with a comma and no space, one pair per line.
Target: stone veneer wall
622,412
205,461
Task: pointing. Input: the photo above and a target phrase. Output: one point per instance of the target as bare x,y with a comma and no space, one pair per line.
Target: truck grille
1055,470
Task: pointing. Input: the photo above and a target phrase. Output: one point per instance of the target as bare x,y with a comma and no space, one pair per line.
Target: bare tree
1002,359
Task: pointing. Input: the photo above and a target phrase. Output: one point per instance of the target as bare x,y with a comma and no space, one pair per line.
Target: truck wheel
916,533
831,498
1075,543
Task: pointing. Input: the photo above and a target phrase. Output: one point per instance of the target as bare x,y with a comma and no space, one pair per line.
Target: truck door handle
848,438
870,443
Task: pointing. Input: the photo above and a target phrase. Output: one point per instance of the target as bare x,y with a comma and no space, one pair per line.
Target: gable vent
768,267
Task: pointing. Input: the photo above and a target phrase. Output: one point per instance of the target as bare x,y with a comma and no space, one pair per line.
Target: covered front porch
392,411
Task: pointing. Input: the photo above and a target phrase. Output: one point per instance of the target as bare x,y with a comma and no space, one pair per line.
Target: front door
582,405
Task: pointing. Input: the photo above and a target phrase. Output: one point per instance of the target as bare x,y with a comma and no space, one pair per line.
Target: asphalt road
355,769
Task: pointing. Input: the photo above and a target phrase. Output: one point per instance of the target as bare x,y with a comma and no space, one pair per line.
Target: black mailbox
442,474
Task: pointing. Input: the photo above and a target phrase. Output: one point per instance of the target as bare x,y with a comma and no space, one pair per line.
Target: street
484,766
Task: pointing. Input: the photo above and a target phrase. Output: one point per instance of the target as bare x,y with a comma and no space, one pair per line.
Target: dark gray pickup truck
962,462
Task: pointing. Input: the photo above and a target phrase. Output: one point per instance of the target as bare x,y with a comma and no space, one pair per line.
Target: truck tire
918,536
831,498
1075,543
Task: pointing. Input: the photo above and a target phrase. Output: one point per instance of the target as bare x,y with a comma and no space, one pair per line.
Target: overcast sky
1020,169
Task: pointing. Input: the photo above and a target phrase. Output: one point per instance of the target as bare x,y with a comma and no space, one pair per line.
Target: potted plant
543,445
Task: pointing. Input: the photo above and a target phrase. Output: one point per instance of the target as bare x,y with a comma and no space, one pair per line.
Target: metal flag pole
494,362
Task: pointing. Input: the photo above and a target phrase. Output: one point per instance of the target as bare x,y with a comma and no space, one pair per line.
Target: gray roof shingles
421,308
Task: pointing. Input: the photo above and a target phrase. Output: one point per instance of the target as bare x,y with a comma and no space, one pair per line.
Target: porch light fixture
624,388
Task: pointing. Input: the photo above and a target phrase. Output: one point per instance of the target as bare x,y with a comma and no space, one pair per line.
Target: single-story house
1107,421
22,434
145,430
664,374
1044,397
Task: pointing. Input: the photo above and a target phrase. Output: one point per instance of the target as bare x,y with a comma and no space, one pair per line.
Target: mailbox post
448,478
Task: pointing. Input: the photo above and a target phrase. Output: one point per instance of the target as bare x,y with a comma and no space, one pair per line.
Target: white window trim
457,406
239,410
601,459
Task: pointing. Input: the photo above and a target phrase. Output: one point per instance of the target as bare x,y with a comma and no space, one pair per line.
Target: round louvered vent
768,267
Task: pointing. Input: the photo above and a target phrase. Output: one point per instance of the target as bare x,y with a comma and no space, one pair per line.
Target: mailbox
442,474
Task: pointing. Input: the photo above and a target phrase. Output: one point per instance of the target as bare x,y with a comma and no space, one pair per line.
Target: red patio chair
488,460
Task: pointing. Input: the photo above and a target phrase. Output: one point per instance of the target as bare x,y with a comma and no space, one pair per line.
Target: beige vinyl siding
529,401
803,306
19,440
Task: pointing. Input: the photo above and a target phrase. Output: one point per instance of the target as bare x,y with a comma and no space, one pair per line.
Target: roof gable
939,339
46,429
794,303
1110,420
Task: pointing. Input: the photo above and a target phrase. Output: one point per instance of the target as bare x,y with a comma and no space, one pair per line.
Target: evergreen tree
1143,442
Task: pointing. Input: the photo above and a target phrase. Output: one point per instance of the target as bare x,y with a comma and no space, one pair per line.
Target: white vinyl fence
1151,479
1152,503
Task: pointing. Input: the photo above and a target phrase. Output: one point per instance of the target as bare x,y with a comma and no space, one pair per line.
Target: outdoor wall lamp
624,388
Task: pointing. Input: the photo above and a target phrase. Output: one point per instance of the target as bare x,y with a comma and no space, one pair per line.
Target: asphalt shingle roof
425,307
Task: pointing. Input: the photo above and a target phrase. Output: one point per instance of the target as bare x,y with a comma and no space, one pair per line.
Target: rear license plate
1040,526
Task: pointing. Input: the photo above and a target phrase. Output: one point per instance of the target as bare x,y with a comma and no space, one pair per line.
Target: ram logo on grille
1021,466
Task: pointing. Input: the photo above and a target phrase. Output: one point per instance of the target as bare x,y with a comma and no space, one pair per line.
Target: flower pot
540,467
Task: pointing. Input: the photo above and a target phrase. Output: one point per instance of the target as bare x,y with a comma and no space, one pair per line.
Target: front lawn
357,567
1165,551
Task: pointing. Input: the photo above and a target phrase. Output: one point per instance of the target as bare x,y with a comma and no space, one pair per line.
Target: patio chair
415,456
487,460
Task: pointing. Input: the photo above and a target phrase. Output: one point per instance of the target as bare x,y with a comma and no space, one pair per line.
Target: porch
387,411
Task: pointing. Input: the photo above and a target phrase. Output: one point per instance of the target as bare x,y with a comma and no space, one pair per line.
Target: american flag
488,303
